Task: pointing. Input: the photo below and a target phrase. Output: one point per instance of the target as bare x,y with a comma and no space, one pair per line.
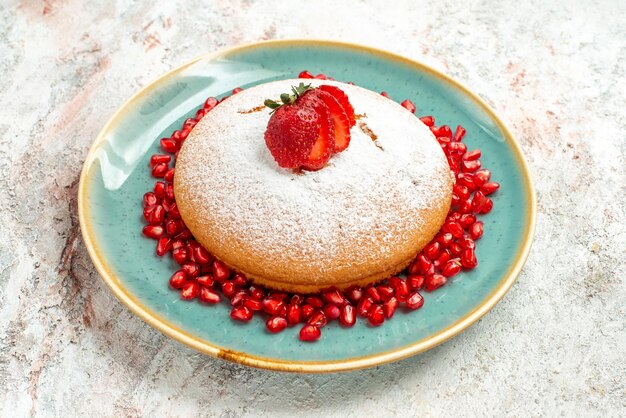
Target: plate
115,177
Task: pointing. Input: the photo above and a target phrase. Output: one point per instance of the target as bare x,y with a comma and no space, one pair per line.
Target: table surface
555,344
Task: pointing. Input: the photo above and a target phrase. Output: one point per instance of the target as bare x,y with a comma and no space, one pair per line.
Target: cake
361,218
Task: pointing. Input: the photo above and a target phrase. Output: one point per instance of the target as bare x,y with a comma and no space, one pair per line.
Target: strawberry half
341,123
343,100
324,146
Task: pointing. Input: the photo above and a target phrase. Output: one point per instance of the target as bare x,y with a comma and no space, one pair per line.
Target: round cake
358,220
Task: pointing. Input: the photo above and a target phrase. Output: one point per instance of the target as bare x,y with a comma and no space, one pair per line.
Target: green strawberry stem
287,98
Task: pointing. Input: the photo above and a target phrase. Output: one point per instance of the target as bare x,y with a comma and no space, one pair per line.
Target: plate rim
325,366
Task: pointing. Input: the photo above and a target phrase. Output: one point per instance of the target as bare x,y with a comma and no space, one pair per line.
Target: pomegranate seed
185,132
364,306
472,155
443,141
157,215
169,193
209,296
415,300
373,293
415,282
467,242
432,250
467,179
389,307
169,145
210,103
176,136
426,266
470,165
348,316
177,243
435,281
467,220
191,269
163,246
200,114
466,207
273,306
456,249
150,199
428,120
278,295
229,289
459,133
173,227
385,94
489,188
239,280
297,299
305,74
306,311
310,333
408,105
189,123
402,290
443,258
160,158
461,191
201,255
445,239
241,313
314,301
333,295
276,324
318,319
190,291
205,280
332,311
180,255
469,259
237,90
256,292
146,212
178,279
487,206
293,313
443,130
220,271
321,76
376,315
386,292
481,177
454,165
253,304
454,228
457,147
354,293
478,201
451,268
476,231
169,175
153,231
238,298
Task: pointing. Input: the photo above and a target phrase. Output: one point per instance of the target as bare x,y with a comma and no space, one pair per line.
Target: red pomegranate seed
176,136
201,255
238,298
157,215
200,114
190,291
489,188
185,132
160,158
445,239
305,74
457,147
241,313
373,293
461,191
402,290
415,300
297,299
451,268
237,90
273,306
208,295
229,289
173,227
318,319
153,231
189,123
389,307
376,316
276,324
487,206
435,281
278,295
150,199
414,268
478,201
169,175
476,231
310,333
454,165
442,259
306,311
454,228
256,292
425,264
470,165
472,155
334,295
178,279
466,207
354,293
239,280
468,259
205,280
191,269
467,179
467,242
415,282
146,212
180,255
321,76
456,249
169,193
443,141
348,316
459,133
364,306
408,105
177,243
385,94
210,103
332,311
432,250
428,120
293,313
386,292
467,220
220,271
163,246
169,145
314,301
481,177
252,304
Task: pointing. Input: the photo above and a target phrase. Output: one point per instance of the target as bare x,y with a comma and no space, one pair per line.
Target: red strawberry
341,124
324,146
342,98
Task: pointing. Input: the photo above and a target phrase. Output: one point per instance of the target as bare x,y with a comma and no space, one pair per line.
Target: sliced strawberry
343,100
324,146
341,124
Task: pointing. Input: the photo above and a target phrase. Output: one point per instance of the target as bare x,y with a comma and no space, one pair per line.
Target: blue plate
115,177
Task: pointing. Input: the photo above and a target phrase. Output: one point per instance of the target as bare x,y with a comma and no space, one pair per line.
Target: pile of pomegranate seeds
203,277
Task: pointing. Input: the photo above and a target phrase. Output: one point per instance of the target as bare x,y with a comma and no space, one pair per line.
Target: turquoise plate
115,176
